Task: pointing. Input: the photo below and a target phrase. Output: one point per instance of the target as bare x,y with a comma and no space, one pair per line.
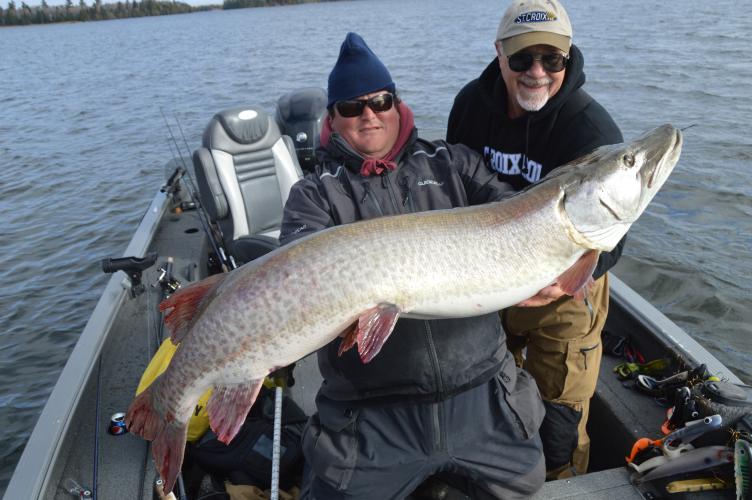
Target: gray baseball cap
534,22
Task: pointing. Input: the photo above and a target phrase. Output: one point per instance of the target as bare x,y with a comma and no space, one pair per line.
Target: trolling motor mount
133,267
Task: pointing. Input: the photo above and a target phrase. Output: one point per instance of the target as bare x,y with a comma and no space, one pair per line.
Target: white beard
533,101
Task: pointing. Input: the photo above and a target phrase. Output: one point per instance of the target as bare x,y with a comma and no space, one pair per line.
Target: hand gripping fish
234,329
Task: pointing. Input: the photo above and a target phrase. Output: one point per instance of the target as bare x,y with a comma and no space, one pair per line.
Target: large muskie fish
234,329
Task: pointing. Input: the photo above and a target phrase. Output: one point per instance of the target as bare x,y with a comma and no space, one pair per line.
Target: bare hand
544,296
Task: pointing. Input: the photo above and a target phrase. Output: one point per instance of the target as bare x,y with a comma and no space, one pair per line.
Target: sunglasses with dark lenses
523,61
355,107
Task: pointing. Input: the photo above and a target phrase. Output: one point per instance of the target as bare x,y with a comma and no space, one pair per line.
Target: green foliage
98,11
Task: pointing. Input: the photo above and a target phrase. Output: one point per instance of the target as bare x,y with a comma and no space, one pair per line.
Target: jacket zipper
585,350
368,195
407,200
388,186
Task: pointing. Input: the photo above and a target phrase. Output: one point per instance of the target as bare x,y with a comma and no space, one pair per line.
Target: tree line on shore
14,15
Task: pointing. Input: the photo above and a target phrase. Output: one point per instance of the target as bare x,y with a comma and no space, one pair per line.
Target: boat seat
300,114
244,170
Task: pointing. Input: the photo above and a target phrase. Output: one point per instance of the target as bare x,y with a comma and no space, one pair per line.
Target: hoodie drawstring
524,167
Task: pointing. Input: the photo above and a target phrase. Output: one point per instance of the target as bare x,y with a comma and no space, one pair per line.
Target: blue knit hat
358,71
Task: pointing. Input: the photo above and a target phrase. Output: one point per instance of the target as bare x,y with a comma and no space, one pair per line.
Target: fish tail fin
167,435
142,418
228,407
167,449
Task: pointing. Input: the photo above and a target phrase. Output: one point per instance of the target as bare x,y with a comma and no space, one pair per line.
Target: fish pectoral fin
184,303
229,405
349,338
374,327
576,280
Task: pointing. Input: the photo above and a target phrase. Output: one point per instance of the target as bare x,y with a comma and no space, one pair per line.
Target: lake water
83,145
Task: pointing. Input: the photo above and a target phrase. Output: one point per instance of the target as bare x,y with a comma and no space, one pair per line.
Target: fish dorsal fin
228,407
576,280
181,306
373,328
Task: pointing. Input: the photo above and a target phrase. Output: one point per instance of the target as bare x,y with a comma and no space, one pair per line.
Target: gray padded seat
244,171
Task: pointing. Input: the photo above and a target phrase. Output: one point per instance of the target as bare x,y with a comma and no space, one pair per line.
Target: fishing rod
225,263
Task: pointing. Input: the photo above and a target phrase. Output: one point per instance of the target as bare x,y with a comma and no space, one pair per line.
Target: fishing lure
699,484
674,444
693,460
690,431
742,472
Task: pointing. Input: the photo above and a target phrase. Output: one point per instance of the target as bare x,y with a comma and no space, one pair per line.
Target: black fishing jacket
525,149
422,360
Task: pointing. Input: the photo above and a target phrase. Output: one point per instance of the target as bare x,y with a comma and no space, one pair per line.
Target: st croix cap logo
537,16
534,22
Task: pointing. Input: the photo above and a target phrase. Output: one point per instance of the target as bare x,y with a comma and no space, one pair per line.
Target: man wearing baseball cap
527,114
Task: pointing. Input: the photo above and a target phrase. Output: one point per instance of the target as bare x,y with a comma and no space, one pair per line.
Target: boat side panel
121,461
124,466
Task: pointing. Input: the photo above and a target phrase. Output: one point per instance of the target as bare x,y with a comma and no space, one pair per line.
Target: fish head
604,192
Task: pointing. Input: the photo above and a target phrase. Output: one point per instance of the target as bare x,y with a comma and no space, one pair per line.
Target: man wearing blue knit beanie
358,71
442,396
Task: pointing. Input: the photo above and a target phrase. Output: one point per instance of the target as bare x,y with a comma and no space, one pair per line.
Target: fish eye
629,160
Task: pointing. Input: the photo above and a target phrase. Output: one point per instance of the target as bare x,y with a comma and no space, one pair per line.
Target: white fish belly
474,305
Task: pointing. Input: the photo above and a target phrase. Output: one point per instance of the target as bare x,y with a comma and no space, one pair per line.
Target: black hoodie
524,150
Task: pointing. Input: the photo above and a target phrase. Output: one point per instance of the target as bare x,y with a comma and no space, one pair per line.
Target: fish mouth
604,201
666,160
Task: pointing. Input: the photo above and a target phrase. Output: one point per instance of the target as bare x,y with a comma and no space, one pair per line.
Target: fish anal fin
181,306
229,405
578,279
349,338
167,450
374,327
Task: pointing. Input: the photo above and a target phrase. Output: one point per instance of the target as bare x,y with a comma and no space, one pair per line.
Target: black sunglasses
523,61
355,107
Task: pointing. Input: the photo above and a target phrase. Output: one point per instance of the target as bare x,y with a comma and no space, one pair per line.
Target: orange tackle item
641,445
